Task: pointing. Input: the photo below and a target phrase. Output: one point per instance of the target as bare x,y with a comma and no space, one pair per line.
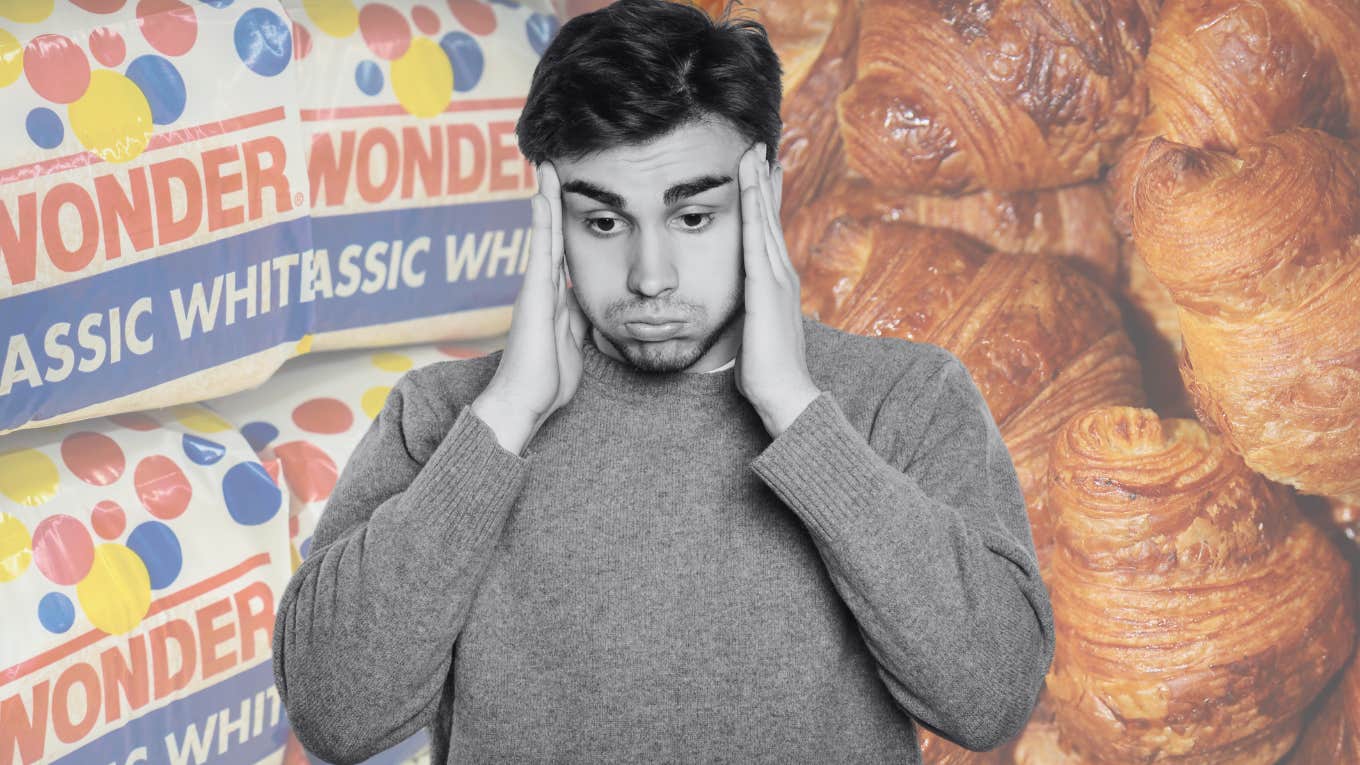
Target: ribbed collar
622,376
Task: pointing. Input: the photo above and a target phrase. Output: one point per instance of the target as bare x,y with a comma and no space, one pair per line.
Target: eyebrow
679,191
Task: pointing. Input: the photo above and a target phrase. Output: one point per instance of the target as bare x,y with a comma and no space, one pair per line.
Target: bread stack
1029,183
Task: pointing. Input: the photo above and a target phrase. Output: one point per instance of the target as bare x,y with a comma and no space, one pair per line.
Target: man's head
644,109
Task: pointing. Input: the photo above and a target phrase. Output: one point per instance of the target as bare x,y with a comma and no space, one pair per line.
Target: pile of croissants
1138,226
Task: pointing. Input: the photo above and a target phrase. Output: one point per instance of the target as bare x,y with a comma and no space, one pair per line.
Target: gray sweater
655,579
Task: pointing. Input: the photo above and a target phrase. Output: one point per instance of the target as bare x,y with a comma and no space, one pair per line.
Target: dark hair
638,69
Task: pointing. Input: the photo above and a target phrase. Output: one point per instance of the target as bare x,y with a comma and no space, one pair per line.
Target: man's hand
540,366
772,366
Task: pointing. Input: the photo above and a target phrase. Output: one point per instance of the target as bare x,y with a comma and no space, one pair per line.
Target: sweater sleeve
926,538
364,633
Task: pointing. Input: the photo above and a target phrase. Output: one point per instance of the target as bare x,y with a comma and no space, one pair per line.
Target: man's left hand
771,367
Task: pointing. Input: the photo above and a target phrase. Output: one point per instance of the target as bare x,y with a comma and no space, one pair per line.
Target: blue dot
368,77
45,128
466,57
160,82
201,451
540,27
259,434
56,612
506,3
252,498
217,3
159,549
263,41
305,547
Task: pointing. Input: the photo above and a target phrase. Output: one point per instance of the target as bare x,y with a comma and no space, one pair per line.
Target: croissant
1197,612
815,44
952,97
1072,222
1261,254
1333,735
1150,316
1225,73
1042,341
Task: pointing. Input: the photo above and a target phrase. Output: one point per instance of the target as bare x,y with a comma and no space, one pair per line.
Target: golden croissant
1261,254
1198,613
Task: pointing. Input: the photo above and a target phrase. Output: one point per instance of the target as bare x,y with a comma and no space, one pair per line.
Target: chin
669,356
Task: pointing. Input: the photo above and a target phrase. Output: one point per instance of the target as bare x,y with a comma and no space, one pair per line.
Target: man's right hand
540,367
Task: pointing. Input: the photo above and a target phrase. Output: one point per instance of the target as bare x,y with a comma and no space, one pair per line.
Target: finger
775,245
580,325
755,260
553,191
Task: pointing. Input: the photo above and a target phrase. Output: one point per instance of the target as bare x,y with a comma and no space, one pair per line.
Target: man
674,519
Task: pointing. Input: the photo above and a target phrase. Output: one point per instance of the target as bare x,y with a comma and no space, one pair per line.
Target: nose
651,269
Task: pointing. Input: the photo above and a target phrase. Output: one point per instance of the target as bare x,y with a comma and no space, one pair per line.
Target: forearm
365,630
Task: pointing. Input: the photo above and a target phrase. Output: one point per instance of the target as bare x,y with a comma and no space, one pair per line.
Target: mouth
653,331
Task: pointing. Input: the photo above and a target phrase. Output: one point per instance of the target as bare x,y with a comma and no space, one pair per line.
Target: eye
607,227
705,218
607,230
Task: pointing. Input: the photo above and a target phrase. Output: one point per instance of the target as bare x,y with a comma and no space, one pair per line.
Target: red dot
107,46
168,25
162,487
426,21
108,519
93,457
272,467
458,351
310,472
302,41
62,549
292,527
100,6
476,17
323,415
385,31
134,421
56,68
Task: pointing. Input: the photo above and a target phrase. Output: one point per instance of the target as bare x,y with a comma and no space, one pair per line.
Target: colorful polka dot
28,476
26,11
392,362
100,6
369,77
264,41
62,549
385,31
11,58
217,3
259,433
16,547
309,472
306,546
117,593
337,18
44,128
273,467
92,457
540,29
112,119
162,85
56,613
304,345
169,26
159,548
423,78
476,17
107,46
200,419
458,351
373,400
293,526
252,497
108,519
162,487
56,68
426,21
134,421
465,55
323,415
200,450
302,41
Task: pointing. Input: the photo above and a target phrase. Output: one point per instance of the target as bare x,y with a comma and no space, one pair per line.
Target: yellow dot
199,419
392,362
11,58
295,558
373,400
423,78
304,345
116,594
337,18
28,477
16,547
113,118
25,11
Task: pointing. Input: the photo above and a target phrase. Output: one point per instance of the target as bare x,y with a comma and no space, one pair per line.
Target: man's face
653,234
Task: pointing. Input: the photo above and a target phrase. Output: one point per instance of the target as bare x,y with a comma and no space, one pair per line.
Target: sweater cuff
824,469
469,484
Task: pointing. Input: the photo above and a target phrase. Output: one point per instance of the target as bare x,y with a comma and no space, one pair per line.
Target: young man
674,519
